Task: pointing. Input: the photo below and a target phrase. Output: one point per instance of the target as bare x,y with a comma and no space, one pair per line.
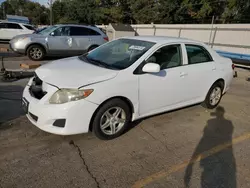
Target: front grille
36,88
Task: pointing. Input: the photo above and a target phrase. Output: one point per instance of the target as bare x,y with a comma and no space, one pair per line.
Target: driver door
163,90
60,42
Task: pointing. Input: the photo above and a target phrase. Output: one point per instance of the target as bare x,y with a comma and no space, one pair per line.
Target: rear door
81,38
199,70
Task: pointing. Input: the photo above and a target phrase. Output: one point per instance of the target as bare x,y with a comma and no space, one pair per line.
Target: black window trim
138,69
203,48
6,24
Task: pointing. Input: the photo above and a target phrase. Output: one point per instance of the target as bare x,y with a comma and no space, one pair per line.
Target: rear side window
29,27
13,26
197,54
82,31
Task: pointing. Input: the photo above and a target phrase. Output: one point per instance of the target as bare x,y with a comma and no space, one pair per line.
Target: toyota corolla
122,81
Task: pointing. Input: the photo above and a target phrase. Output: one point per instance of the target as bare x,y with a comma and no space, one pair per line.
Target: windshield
118,54
47,31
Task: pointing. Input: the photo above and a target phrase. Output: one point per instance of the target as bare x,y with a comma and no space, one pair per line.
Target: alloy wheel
112,120
36,53
215,96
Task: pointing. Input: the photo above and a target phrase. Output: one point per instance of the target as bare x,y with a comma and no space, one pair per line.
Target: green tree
145,11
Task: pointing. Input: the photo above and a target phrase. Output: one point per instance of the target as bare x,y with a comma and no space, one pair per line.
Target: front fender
41,42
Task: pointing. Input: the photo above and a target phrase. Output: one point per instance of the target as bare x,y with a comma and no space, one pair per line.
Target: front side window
197,54
47,31
167,57
118,54
13,26
62,31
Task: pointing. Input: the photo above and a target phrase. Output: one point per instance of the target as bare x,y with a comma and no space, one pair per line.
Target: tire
212,103
92,48
36,52
105,125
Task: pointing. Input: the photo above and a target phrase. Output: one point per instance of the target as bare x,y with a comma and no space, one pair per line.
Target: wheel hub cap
215,96
112,120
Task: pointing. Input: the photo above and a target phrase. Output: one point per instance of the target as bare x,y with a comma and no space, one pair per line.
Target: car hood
31,35
73,73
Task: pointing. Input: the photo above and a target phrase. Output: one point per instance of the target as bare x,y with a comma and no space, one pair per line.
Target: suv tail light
106,38
233,66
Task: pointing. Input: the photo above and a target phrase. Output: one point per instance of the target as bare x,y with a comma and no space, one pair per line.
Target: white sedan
122,81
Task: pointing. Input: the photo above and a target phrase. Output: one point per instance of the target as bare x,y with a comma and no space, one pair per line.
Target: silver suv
59,40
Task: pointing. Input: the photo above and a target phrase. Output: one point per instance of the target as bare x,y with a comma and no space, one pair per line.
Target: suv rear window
29,27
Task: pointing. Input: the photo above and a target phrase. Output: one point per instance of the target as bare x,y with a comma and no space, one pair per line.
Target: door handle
182,74
214,68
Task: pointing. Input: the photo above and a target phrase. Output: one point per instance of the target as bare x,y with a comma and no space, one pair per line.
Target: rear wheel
214,96
36,52
111,120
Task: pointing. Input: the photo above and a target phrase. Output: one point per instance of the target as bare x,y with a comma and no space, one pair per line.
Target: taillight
233,66
106,38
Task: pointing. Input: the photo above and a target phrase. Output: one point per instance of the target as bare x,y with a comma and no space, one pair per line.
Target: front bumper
15,47
77,114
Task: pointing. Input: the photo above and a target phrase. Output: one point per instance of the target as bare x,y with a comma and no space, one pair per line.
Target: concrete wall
119,34
226,37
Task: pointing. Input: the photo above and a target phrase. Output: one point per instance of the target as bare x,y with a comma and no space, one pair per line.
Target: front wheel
36,52
111,120
214,96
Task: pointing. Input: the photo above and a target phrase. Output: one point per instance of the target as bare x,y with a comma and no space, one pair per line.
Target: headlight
18,39
66,95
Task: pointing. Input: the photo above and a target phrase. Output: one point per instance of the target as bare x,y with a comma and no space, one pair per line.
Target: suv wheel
36,52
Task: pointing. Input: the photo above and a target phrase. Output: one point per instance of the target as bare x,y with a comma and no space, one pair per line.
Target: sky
43,2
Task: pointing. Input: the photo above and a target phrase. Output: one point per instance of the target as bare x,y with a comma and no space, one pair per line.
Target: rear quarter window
29,27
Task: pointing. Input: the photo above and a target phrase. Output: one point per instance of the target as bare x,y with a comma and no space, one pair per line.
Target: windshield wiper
100,63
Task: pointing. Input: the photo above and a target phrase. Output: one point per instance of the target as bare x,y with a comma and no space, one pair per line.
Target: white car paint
54,73
9,33
149,93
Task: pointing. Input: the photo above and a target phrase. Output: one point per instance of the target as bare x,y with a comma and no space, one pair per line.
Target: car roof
161,39
81,25
4,21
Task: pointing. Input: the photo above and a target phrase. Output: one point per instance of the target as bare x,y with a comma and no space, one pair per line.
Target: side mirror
52,34
151,68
